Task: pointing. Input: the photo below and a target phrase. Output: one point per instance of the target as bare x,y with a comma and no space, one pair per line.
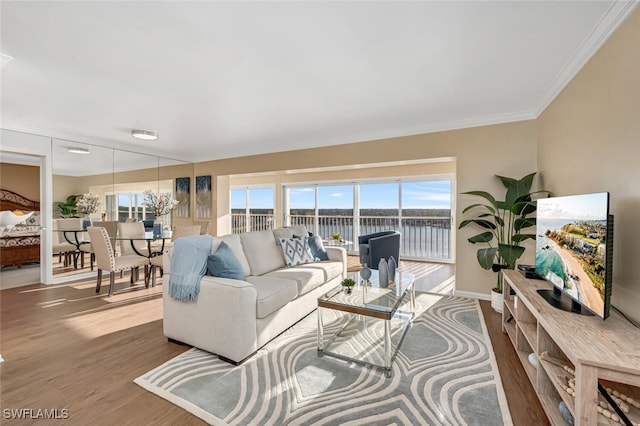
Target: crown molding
607,25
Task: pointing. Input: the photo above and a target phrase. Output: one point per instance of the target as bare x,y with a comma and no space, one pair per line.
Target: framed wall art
183,190
203,197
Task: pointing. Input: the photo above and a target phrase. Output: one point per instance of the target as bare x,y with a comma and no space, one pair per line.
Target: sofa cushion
290,232
263,254
233,241
223,263
306,278
273,293
330,269
296,251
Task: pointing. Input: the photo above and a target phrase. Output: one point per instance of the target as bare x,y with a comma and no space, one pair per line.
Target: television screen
573,248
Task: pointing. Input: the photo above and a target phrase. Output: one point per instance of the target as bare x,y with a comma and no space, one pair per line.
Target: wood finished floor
66,347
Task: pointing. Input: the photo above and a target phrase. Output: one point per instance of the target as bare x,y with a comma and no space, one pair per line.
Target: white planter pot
496,301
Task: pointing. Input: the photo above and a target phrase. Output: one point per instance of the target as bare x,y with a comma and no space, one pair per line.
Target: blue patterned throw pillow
296,251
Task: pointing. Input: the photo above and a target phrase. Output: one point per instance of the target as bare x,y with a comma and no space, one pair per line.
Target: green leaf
480,222
510,254
507,181
466,209
486,256
519,190
485,195
523,208
516,238
484,237
522,223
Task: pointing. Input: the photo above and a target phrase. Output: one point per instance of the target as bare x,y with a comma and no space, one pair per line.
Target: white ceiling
224,79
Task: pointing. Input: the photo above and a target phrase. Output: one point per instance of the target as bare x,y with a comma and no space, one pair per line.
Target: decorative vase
383,273
496,301
347,290
365,273
496,294
392,269
157,228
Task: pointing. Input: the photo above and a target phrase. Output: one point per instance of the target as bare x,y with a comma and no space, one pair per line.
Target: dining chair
205,227
107,261
112,228
78,239
62,247
129,230
178,232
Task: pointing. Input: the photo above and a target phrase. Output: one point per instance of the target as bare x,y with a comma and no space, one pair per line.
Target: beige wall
589,141
24,180
479,153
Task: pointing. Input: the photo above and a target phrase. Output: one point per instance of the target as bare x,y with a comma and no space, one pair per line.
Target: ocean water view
571,260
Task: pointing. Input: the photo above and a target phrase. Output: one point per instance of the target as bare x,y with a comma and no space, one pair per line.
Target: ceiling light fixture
144,135
78,150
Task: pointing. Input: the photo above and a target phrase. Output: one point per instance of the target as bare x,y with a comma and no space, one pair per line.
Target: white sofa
234,318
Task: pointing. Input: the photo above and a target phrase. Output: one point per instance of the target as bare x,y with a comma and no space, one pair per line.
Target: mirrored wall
117,181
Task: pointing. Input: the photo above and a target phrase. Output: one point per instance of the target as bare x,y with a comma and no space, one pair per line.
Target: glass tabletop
369,298
148,236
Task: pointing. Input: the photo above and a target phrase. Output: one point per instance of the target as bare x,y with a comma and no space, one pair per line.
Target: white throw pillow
296,251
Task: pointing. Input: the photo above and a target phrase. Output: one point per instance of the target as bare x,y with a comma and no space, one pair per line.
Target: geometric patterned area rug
444,374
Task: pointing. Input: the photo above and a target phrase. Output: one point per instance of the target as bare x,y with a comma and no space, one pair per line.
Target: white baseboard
473,295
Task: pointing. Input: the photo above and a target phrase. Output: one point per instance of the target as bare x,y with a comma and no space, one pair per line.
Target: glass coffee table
379,319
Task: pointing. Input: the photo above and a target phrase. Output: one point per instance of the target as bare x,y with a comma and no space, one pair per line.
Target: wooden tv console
595,349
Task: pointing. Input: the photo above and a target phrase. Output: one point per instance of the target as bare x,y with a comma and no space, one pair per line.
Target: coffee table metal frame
363,305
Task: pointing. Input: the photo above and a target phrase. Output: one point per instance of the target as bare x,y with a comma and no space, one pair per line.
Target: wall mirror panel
77,169
122,182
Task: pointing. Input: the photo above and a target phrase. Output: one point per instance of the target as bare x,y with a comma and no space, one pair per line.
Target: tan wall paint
589,141
24,180
63,186
222,205
479,153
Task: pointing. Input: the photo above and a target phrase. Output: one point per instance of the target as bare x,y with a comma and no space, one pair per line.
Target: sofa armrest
338,254
222,320
166,259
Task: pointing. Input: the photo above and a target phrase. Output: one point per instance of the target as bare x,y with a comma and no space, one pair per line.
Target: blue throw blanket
188,266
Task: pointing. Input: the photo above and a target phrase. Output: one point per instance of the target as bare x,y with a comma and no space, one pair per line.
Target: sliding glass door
252,209
419,209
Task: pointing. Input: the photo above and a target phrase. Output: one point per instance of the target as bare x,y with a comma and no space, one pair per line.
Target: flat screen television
574,251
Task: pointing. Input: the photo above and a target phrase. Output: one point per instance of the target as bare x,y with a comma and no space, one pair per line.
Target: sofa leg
230,361
177,342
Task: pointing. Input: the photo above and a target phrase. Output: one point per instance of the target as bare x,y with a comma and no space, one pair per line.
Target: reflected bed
20,244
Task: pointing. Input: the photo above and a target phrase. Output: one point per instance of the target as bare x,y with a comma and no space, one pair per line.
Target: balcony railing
425,238
252,222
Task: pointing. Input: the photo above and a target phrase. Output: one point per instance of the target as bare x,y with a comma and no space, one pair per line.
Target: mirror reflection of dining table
153,250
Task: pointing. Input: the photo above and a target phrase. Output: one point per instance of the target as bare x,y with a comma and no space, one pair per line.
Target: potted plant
336,236
504,224
68,207
347,285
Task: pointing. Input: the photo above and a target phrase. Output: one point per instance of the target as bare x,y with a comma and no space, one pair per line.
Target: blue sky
585,207
432,194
